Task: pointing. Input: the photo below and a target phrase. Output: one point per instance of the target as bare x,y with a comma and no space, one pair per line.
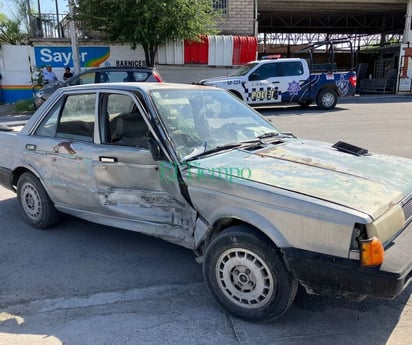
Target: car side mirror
154,149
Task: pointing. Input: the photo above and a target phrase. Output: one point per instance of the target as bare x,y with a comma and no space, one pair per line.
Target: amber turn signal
371,252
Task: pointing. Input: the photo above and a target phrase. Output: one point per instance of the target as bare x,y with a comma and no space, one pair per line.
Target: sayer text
47,56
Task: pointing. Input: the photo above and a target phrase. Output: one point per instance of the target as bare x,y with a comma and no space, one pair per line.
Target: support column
407,34
406,53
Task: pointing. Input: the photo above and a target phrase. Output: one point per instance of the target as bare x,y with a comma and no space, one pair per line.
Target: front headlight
388,225
368,240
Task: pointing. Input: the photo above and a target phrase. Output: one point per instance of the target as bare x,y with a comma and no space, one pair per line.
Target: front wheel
245,274
327,99
34,203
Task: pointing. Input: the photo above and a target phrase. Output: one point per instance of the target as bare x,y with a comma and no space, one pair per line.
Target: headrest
131,125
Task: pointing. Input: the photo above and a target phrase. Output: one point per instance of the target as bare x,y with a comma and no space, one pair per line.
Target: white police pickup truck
285,80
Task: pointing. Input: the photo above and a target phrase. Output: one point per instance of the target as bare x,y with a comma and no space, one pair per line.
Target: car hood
368,183
217,80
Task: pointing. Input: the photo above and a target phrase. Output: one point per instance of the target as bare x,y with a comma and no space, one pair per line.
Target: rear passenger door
61,150
291,79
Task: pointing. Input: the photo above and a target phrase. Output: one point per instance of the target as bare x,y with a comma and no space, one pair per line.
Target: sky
46,6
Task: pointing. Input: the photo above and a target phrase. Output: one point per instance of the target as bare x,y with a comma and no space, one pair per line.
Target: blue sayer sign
62,56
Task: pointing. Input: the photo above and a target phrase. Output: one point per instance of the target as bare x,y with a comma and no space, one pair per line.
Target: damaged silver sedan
263,211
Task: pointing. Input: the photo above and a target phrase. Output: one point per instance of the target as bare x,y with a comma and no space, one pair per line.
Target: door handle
105,159
31,147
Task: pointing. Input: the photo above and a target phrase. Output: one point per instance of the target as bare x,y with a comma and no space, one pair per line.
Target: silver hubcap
244,278
31,201
328,99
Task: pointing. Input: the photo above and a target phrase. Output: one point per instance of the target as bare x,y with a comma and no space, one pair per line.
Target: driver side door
130,184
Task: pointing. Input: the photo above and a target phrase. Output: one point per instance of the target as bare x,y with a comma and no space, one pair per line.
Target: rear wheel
245,274
34,203
327,99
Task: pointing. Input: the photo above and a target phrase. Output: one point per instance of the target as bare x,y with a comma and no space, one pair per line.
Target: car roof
109,69
115,68
275,60
144,86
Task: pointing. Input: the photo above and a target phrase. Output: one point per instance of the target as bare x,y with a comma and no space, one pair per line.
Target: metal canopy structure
332,17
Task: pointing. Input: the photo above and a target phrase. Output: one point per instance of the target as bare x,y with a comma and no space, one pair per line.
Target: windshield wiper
268,135
195,155
276,134
225,147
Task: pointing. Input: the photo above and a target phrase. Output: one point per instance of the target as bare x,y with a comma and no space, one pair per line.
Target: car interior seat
131,130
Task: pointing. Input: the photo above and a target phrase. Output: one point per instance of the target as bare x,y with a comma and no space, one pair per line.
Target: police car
285,80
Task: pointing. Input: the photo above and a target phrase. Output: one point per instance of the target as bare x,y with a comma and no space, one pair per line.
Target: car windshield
244,69
199,121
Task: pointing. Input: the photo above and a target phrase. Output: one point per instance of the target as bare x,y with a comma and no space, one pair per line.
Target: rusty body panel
370,184
318,173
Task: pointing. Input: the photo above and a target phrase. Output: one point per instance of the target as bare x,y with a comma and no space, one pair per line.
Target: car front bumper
329,275
6,178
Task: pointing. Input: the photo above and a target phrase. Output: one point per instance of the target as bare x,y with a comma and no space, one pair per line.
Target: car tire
246,275
327,99
34,203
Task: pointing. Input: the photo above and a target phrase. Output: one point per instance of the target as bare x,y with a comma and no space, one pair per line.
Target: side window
49,125
116,76
125,125
87,78
264,72
77,118
103,77
291,68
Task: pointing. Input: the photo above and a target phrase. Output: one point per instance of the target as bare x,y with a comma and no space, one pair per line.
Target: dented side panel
120,186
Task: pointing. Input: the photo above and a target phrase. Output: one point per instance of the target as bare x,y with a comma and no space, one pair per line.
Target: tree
149,23
14,28
10,32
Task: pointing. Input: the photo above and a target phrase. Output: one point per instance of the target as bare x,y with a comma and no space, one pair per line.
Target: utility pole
73,38
39,21
407,33
59,29
28,19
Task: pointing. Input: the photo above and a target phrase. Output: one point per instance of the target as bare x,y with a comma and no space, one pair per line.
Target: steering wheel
183,139
229,129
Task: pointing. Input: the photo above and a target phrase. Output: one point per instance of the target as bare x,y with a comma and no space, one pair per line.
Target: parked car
100,75
262,210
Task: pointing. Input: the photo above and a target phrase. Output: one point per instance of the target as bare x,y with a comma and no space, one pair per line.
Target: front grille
407,207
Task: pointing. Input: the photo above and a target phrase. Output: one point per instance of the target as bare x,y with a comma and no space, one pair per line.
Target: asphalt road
83,284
